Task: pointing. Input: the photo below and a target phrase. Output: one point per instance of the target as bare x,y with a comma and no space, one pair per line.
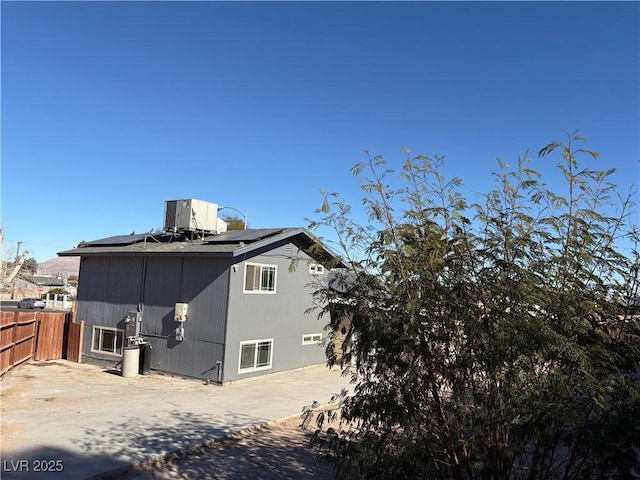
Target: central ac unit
191,215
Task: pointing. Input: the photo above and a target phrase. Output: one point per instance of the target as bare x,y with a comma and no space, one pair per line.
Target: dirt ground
89,428
278,451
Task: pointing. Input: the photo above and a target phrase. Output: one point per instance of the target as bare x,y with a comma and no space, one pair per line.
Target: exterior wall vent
191,215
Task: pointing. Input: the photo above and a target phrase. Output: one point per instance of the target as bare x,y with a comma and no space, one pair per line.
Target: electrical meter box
181,311
132,324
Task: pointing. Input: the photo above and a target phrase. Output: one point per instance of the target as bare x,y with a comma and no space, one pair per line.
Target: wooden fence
50,336
18,332
74,341
38,335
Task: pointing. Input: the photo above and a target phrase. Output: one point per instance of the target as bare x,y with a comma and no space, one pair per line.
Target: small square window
311,338
316,269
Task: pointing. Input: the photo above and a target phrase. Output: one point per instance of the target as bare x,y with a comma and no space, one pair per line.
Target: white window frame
259,290
311,338
254,368
97,330
316,269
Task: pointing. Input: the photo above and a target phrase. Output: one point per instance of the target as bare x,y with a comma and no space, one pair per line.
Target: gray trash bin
130,361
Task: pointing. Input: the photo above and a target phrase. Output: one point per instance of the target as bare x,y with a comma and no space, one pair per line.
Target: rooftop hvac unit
191,215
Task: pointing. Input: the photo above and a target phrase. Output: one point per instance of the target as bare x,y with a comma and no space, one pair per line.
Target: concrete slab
62,420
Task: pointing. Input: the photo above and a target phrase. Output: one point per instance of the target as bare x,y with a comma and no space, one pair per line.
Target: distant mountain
60,266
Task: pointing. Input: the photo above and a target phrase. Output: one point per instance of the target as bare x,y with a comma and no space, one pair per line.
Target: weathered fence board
74,341
50,336
38,335
18,333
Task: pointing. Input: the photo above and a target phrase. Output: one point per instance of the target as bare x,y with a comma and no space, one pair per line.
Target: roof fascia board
280,237
248,248
268,241
116,253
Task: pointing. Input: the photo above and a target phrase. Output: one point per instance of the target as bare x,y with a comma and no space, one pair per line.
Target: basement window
259,278
255,355
107,340
311,339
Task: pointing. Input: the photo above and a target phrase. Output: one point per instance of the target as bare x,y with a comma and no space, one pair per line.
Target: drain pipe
219,365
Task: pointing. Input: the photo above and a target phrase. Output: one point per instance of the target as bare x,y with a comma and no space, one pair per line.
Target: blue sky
111,108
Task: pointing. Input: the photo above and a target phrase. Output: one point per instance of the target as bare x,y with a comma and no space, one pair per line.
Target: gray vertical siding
154,285
104,299
280,316
220,314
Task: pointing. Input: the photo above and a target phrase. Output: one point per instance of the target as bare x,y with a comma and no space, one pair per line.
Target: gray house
213,306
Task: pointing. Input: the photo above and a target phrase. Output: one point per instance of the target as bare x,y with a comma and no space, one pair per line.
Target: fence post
36,331
14,331
80,340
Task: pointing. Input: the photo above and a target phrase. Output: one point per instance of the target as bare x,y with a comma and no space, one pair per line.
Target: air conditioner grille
170,216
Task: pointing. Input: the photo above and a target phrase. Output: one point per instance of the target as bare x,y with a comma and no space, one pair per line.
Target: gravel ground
278,451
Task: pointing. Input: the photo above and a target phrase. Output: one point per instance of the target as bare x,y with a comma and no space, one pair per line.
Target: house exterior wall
153,285
111,290
279,316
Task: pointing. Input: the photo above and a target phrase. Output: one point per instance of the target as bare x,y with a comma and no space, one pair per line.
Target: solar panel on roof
234,236
118,240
